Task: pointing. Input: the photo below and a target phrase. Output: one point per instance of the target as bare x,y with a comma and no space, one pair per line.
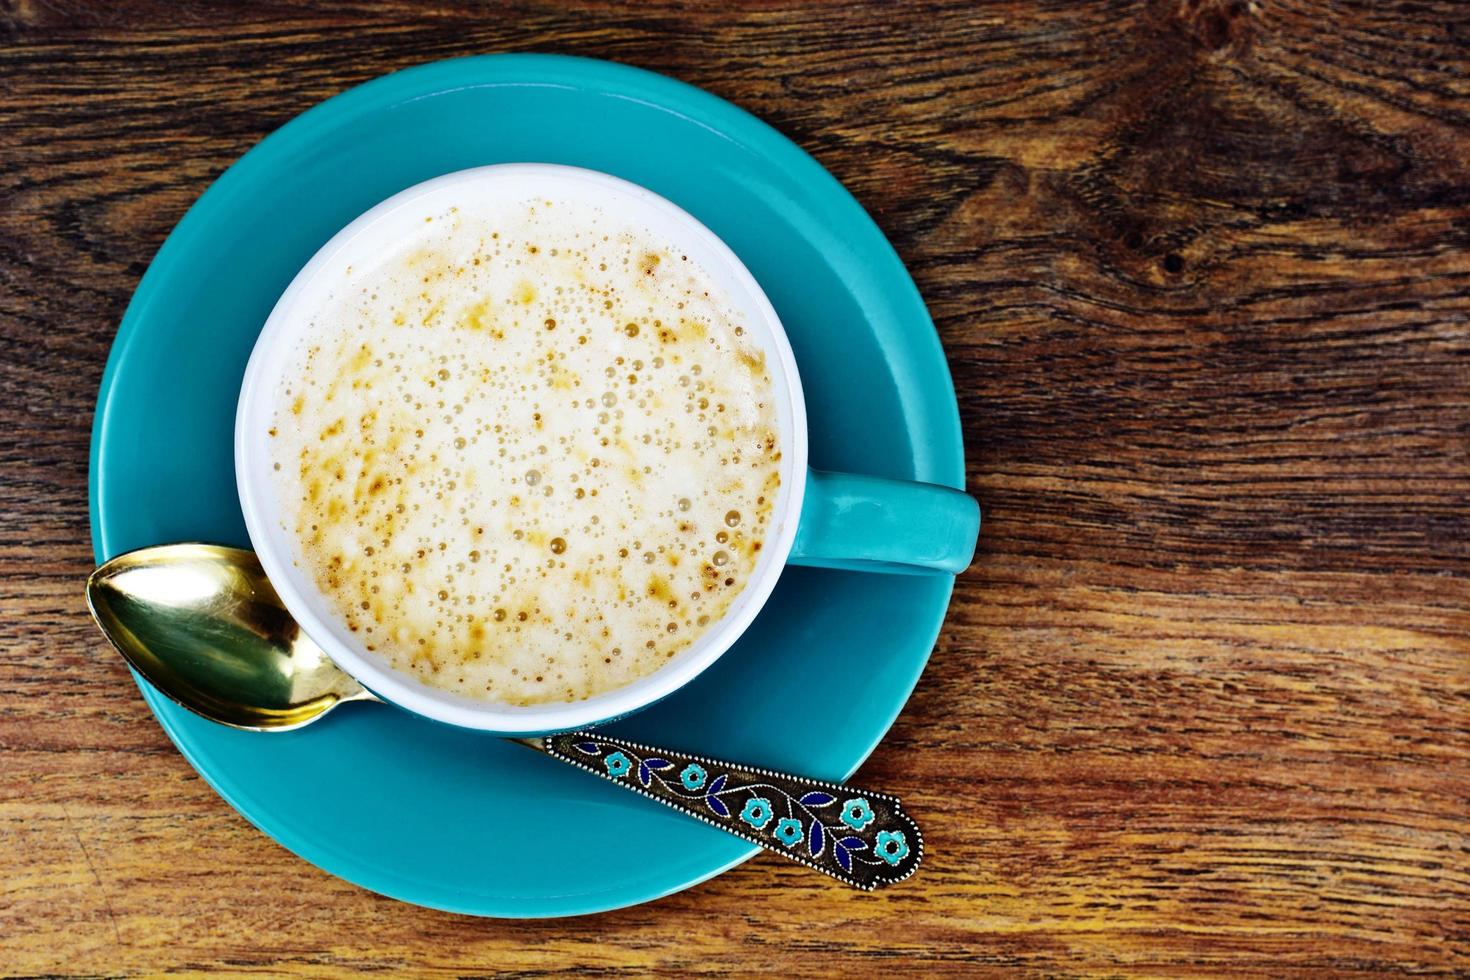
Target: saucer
454,819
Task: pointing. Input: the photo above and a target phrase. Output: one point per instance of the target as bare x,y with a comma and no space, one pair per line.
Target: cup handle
867,523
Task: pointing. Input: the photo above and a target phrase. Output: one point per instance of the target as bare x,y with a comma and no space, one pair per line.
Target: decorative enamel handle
856,836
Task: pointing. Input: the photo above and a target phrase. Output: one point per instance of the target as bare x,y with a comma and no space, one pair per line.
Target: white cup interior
359,244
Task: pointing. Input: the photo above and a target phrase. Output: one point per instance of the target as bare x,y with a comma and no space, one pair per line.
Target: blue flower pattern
693,777
790,832
892,846
857,814
757,812
812,838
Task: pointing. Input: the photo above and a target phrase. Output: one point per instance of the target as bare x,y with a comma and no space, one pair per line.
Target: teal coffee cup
831,520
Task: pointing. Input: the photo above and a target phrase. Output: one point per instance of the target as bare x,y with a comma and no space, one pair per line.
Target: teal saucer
452,819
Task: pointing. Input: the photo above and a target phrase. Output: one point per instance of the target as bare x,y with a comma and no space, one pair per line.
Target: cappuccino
528,455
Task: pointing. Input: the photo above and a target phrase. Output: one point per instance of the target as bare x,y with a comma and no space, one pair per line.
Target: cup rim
303,601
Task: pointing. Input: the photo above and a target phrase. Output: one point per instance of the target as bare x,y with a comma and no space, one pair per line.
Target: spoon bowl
204,626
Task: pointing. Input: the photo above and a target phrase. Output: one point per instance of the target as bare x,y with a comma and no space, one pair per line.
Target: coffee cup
831,520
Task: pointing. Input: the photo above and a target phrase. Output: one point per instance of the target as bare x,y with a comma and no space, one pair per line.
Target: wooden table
1203,273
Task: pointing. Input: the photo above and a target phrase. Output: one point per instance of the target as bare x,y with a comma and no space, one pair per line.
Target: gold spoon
203,625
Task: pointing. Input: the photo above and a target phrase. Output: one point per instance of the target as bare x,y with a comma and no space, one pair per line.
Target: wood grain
1203,703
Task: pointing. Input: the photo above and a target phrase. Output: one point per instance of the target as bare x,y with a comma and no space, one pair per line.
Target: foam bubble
530,573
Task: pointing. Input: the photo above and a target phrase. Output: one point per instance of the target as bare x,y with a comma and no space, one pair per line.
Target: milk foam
528,456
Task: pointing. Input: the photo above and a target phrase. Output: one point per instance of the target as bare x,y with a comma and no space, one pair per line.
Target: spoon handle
857,836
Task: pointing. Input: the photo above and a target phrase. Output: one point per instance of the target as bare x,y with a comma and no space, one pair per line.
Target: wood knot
1217,25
